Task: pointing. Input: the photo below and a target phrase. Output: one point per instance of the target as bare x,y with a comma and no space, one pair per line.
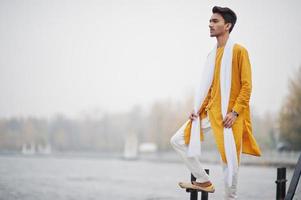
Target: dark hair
228,15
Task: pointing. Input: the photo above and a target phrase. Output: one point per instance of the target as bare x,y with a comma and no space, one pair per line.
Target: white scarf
194,148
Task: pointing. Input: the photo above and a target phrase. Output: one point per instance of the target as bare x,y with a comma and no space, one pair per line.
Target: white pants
194,165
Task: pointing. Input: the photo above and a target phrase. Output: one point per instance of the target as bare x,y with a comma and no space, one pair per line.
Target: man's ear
228,26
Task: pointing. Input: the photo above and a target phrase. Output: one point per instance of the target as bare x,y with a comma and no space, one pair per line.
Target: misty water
69,177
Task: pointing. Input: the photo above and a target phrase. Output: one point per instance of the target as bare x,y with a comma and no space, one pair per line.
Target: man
223,109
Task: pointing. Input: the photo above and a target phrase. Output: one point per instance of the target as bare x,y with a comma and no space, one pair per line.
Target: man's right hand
193,116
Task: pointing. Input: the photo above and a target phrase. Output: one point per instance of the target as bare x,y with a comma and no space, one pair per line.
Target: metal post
204,195
294,182
281,183
194,193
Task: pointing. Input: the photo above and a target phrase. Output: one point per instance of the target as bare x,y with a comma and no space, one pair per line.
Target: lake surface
77,178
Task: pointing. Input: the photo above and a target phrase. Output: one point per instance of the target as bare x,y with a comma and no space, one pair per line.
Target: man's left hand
229,120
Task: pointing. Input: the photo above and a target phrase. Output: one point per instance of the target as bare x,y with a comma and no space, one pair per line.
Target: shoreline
268,159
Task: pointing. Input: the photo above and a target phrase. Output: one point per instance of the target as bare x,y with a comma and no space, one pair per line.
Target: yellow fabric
241,86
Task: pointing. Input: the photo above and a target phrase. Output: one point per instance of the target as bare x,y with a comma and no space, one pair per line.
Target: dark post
204,195
281,183
194,193
294,182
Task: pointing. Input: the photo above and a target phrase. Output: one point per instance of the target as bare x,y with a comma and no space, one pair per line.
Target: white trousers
194,165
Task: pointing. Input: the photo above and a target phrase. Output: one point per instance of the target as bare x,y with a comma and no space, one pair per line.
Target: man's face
217,25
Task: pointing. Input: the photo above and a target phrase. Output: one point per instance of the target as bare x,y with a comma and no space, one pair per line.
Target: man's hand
229,120
193,116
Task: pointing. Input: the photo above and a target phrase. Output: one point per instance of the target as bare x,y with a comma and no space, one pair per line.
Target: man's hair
228,15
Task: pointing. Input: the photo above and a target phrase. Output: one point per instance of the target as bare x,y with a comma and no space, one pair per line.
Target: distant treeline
87,134
108,132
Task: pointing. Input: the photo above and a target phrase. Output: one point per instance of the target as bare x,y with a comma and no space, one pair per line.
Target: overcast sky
69,56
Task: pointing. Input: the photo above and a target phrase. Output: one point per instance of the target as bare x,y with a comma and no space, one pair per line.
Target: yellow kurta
241,86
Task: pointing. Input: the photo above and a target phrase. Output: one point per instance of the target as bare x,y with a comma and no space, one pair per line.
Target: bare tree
290,114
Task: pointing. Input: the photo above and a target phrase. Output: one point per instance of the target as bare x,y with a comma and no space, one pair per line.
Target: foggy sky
66,56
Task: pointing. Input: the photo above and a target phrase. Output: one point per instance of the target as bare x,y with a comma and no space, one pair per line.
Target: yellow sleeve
243,98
